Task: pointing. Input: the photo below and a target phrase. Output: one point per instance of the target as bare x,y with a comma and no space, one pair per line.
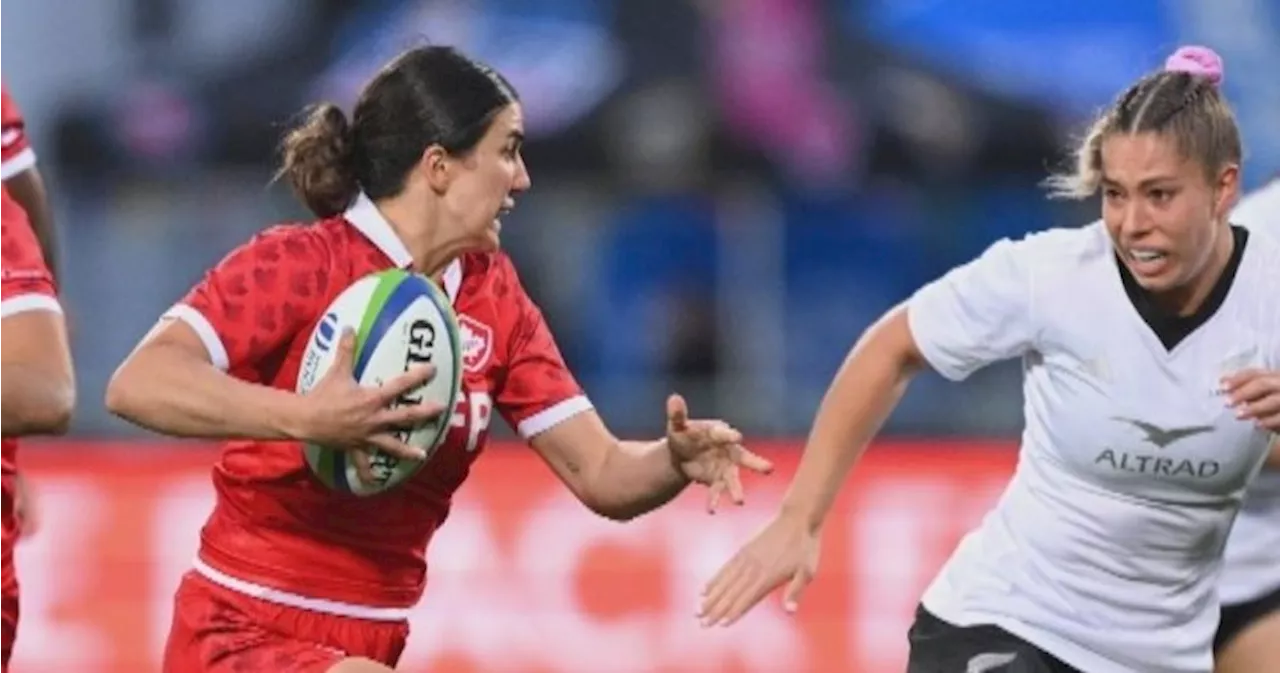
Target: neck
1187,300
419,230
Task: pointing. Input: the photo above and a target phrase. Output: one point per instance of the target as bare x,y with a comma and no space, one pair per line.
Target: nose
1134,221
522,182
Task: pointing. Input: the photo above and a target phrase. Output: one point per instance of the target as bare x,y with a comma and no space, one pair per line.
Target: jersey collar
366,218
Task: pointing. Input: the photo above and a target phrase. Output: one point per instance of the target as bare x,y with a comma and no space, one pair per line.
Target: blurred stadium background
725,193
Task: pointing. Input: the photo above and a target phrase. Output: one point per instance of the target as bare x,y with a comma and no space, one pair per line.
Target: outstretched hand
710,452
784,552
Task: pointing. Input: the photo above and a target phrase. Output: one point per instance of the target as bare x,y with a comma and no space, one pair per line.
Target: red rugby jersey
276,531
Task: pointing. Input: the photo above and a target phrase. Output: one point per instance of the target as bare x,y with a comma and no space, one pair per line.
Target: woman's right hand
342,414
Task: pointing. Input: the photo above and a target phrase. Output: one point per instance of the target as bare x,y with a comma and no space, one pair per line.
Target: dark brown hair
425,96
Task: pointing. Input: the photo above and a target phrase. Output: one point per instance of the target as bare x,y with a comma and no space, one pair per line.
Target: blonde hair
1182,102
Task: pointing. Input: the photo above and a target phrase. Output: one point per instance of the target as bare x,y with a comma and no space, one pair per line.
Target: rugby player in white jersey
1248,636
1150,344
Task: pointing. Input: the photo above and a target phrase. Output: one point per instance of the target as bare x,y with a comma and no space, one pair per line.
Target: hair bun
1198,61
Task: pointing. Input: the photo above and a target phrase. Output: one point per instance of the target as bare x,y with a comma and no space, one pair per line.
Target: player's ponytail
318,161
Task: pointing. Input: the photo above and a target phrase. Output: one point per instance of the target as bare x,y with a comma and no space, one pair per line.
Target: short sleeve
27,284
16,154
538,391
977,314
259,297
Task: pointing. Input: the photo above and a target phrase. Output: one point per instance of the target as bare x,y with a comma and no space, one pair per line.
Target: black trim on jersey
1171,329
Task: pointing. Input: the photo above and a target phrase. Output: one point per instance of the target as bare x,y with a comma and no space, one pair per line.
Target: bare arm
616,479
865,391
169,385
27,188
38,383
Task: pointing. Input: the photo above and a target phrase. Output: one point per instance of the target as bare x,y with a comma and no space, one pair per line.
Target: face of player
1166,220
487,181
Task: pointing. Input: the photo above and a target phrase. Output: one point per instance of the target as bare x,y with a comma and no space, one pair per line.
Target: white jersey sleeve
977,314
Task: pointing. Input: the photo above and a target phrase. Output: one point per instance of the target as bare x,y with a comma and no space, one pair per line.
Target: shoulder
1049,256
1260,210
288,244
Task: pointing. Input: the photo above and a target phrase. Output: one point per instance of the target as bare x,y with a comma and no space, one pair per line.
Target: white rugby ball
400,319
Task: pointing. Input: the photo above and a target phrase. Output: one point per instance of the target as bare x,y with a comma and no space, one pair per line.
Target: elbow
615,513
55,418
122,397
49,414
605,508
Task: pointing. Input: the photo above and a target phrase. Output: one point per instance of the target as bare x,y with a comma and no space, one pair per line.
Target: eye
1161,195
1111,193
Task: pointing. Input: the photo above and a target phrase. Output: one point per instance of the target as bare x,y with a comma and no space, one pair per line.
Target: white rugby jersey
1105,548
1251,566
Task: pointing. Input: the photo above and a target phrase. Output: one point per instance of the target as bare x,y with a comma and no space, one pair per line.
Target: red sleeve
16,154
27,284
259,297
539,391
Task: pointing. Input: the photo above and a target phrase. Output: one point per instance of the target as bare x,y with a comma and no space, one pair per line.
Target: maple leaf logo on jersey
477,343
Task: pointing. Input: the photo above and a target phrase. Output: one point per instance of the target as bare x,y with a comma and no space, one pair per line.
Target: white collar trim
366,218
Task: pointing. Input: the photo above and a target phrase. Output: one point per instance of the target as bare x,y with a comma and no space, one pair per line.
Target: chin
490,242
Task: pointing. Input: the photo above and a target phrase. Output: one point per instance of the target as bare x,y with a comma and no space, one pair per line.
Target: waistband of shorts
289,599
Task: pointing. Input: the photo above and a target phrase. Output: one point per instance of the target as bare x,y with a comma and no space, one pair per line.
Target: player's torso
1121,411
266,489
1104,546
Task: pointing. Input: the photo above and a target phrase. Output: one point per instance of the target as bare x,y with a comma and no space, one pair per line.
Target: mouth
1147,262
507,206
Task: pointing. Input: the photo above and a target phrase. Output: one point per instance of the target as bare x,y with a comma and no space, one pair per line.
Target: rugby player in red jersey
37,387
291,576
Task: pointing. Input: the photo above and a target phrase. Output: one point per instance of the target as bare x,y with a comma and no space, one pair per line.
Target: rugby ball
400,319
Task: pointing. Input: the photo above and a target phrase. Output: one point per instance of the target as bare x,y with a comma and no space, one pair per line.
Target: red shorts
217,630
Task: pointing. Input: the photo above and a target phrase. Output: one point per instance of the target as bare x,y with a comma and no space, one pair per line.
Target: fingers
722,591
389,444
727,602
713,496
732,480
723,433
1254,395
344,360
677,413
407,417
791,597
364,466
414,377
1271,422
753,462
1232,381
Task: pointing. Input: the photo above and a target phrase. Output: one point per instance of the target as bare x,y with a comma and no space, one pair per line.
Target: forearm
34,403
636,478
1273,458
167,390
865,391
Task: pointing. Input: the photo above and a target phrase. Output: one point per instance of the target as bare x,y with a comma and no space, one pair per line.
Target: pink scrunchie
1196,60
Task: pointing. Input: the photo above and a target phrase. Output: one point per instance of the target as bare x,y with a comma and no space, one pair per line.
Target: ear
438,167
1226,190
